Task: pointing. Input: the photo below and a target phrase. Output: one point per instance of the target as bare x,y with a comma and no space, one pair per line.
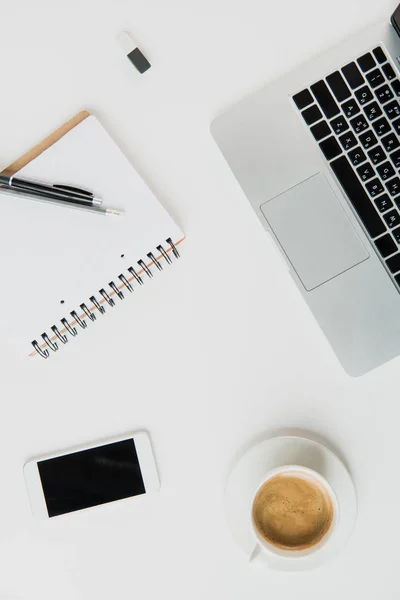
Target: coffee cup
294,512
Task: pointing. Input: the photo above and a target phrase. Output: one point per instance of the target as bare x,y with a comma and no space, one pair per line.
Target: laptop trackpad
314,231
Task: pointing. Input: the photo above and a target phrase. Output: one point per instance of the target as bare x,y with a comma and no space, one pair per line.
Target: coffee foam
292,511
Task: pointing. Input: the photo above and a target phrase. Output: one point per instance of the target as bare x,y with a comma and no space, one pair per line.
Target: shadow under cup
294,511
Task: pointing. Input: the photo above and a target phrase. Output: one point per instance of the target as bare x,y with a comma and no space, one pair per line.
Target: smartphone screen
91,477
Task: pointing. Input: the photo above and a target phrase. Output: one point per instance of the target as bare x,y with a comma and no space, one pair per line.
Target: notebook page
55,258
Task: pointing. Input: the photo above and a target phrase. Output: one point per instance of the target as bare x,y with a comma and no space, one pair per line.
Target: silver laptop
317,154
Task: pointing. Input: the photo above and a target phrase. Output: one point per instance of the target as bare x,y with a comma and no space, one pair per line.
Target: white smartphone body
91,475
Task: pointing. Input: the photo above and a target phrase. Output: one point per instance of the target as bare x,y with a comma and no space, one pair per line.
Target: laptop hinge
395,20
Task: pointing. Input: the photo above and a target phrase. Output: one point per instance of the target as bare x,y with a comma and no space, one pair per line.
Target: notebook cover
86,248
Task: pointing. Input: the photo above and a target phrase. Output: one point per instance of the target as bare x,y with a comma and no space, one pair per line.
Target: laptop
317,153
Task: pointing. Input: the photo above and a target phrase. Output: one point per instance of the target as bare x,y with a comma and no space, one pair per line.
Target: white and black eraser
134,54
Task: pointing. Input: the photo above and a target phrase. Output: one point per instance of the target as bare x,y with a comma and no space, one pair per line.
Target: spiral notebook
62,268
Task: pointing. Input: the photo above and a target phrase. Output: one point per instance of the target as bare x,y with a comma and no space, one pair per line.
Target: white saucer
249,472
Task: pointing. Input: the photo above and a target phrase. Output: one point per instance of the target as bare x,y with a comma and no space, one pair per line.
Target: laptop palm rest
314,231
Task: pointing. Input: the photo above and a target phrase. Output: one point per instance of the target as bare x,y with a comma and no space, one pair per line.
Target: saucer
249,472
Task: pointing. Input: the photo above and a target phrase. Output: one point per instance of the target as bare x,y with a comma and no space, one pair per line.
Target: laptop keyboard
354,116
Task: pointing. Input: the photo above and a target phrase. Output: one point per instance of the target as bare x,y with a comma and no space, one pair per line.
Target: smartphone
91,475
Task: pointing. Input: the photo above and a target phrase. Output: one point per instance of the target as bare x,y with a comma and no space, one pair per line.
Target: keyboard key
353,75
372,111
351,108
375,78
389,71
381,126
392,219
339,125
377,155
379,55
375,188
384,94
357,156
330,148
392,109
366,62
325,99
396,234
368,140
364,95
348,140
303,99
390,142
357,196
312,115
386,171
383,203
386,245
338,86
393,263
359,123
396,159
396,125
396,87
320,130
366,172
393,186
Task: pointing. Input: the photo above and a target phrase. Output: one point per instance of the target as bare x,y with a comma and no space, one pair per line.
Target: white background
208,356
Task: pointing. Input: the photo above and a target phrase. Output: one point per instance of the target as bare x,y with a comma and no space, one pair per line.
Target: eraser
134,54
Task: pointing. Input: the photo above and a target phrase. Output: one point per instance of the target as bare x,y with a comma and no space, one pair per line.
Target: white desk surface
210,355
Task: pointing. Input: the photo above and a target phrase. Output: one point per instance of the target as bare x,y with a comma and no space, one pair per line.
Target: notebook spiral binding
106,298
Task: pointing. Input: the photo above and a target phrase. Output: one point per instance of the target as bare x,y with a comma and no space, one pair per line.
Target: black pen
63,193
57,202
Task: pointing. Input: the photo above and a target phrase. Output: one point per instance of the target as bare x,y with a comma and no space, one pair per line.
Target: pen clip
73,189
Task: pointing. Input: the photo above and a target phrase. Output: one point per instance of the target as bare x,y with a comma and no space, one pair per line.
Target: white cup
313,477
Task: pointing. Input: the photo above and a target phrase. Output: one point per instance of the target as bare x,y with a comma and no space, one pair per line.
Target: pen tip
114,212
